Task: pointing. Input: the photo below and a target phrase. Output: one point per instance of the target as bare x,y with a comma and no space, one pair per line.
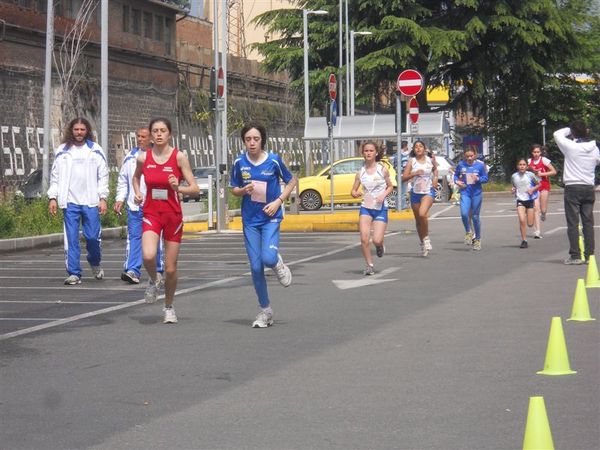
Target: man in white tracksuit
133,253
79,186
581,158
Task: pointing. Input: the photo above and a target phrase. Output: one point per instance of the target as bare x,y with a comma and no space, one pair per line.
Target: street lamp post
305,13
352,34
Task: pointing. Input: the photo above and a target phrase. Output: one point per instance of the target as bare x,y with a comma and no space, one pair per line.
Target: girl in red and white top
544,169
163,167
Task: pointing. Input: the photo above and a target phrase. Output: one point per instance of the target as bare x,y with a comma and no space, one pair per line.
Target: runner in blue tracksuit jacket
133,253
79,186
469,175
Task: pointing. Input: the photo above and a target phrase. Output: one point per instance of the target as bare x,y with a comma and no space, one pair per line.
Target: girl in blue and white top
255,176
525,187
376,186
469,175
422,171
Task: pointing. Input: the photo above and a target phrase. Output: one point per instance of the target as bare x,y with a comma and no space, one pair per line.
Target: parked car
316,190
31,188
201,175
445,170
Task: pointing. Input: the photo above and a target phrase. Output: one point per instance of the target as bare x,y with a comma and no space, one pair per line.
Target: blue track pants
262,247
470,206
133,252
89,217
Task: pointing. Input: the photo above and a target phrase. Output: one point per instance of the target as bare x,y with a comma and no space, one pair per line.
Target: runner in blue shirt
256,176
469,175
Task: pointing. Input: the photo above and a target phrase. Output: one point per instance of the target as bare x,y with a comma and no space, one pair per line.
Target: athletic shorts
170,224
378,215
544,185
528,204
416,198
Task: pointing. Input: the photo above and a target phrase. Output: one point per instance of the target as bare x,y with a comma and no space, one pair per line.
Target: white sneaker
151,292
369,270
72,280
98,272
283,272
160,280
427,243
130,277
263,320
170,316
537,235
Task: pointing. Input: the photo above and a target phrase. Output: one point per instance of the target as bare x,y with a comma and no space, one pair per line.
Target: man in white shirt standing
581,158
133,253
79,186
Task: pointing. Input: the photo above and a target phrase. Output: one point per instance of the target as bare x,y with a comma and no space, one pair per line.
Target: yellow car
315,191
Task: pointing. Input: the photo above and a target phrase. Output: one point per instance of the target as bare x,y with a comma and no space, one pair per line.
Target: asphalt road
436,353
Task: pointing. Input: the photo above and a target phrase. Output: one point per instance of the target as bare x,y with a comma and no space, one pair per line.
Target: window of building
158,28
126,18
168,34
136,21
148,25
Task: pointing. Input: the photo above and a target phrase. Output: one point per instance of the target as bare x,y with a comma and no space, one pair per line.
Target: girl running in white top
376,186
423,173
525,187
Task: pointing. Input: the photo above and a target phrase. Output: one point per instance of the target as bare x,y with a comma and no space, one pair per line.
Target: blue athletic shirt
270,171
462,169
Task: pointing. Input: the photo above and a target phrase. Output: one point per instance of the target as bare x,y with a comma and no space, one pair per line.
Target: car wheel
310,200
441,194
391,199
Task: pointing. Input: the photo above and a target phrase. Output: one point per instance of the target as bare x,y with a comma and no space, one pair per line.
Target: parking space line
67,320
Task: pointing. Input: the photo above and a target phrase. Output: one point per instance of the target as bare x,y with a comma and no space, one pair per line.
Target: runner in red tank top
544,169
163,168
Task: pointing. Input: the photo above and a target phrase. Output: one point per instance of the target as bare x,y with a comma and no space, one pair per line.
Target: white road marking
75,287
367,280
60,302
554,230
26,319
448,208
224,281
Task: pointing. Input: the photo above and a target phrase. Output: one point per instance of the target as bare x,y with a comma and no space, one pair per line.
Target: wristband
281,199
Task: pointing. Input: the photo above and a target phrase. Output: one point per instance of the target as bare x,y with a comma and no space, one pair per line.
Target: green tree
506,61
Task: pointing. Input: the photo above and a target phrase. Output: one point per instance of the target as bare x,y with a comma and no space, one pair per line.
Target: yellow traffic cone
538,435
592,279
557,358
581,308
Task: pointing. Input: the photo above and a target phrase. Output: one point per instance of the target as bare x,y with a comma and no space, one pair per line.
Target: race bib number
420,184
259,194
159,194
472,178
370,202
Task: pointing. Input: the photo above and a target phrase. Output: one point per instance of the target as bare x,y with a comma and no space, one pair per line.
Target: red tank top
160,197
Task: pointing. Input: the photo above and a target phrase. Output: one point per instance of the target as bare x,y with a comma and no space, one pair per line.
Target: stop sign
332,86
413,110
220,83
410,82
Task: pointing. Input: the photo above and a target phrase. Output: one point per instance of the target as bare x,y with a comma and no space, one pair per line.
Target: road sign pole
400,194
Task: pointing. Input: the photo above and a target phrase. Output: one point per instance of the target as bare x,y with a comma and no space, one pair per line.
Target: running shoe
160,280
72,280
537,235
369,270
263,320
570,261
130,277
283,272
98,272
380,250
151,292
543,217
524,244
469,238
427,243
170,316
477,244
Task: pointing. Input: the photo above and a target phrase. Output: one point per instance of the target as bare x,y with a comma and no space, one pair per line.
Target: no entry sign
410,82
220,83
413,110
332,86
